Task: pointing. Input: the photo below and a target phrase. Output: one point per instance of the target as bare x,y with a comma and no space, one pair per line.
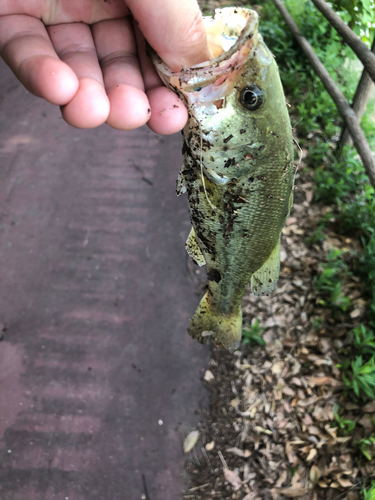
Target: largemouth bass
238,169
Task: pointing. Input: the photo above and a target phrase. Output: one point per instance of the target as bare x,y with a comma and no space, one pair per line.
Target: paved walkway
99,380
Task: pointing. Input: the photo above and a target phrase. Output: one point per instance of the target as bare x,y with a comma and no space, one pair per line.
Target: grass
370,493
252,334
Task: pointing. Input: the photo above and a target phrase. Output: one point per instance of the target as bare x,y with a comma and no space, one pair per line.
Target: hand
88,57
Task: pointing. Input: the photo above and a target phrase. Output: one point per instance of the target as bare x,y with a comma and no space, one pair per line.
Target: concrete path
99,381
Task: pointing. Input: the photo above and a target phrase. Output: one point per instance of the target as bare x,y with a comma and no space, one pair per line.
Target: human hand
88,57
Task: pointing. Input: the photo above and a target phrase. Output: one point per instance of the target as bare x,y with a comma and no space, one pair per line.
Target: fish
238,169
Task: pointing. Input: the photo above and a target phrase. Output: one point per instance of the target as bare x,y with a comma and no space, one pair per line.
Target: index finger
175,30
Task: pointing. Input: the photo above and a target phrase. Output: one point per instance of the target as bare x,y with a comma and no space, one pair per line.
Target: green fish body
238,169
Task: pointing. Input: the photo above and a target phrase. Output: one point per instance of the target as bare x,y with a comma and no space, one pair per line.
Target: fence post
360,99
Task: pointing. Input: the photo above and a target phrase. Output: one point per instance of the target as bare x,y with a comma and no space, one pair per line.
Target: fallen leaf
261,429
190,441
312,454
288,391
352,495
235,402
369,408
296,381
309,401
239,453
318,381
345,483
294,492
277,368
210,446
208,376
314,474
367,422
233,479
250,496
282,478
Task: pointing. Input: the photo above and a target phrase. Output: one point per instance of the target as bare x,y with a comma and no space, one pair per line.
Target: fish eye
251,97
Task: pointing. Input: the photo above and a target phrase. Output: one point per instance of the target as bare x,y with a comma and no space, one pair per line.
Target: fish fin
181,183
264,280
208,323
193,249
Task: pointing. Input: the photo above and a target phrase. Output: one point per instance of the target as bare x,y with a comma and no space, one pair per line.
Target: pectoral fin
264,280
193,249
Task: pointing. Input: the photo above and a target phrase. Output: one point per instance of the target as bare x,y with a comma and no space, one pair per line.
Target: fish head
236,104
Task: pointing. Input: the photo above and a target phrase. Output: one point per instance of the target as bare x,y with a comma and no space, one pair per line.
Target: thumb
174,29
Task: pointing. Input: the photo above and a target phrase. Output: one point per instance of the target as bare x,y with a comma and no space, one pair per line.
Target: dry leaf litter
271,432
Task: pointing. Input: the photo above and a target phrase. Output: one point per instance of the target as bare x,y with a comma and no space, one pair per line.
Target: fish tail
209,323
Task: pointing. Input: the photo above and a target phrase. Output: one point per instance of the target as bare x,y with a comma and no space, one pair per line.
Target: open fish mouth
232,35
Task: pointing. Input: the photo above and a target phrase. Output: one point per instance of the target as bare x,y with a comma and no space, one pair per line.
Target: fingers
126,78
117,53
27,49
174,29
74,45
168,112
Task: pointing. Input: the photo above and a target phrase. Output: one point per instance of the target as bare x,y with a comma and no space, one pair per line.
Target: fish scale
238,169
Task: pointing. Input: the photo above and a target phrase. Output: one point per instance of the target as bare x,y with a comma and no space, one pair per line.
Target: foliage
369,494
358,368
341,183
308,97
346,425
363,341
252,335
367,447
358,14
359,376
328,284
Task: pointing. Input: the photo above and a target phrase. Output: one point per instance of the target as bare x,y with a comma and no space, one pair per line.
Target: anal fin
264,280
193,249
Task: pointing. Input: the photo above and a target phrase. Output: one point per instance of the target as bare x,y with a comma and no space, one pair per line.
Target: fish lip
185,74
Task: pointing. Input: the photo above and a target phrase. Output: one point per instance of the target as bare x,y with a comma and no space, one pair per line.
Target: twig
141,171
199,487
196,458
222,460
145,489
204,453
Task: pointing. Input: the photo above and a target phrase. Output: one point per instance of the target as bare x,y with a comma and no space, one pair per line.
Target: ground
270,432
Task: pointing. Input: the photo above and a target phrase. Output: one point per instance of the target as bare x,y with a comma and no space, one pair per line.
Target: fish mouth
227,30
232,35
